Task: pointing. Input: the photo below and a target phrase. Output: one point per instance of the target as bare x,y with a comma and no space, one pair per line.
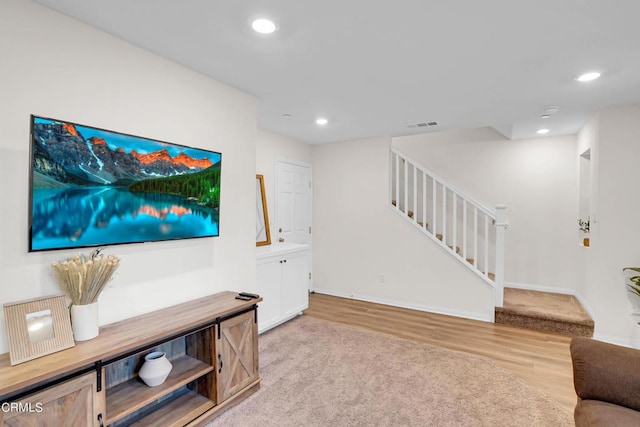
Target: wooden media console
212,343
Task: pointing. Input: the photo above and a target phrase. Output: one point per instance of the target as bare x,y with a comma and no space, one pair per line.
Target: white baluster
435,198
391,175
475,236
415,194
397,181
444,214
501,226
464,229
406,187
455,221
424,199
486,244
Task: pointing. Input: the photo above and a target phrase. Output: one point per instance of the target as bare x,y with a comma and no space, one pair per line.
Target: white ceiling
375,67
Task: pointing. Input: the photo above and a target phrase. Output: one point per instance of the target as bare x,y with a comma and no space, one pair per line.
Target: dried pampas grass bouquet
83,277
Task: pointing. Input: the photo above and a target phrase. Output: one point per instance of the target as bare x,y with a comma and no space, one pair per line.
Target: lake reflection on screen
90,216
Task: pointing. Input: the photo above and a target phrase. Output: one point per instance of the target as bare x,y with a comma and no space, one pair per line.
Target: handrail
451,187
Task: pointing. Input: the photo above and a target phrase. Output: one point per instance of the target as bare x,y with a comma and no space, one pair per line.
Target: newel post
501,227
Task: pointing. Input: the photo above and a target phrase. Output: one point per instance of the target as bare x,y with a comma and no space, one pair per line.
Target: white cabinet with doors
282,272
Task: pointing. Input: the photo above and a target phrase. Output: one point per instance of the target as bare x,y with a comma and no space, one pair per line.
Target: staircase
469,231
474,235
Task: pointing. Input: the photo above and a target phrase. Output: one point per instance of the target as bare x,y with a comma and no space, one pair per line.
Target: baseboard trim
540,288
613,339
413,306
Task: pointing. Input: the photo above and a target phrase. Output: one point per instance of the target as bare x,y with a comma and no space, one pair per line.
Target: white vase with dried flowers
82,278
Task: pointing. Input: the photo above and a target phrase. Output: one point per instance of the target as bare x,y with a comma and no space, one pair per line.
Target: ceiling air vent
423,125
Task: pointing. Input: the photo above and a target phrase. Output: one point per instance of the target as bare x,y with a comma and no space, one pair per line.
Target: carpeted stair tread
409,213
439,237
551,312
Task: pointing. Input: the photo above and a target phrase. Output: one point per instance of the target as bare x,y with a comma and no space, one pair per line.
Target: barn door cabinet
72,403
282,277
211,343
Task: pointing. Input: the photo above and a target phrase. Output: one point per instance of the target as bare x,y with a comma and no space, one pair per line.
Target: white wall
271,147
56,67
358,239
535,178
615,232
589,139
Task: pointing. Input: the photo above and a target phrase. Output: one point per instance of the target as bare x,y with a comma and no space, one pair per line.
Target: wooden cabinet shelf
178,412
132,395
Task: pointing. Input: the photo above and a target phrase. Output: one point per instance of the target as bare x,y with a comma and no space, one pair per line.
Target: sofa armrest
606,372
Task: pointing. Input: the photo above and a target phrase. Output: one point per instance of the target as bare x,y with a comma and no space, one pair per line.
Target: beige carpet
319,373
545,311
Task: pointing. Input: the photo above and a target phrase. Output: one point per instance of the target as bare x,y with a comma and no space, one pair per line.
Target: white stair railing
463,227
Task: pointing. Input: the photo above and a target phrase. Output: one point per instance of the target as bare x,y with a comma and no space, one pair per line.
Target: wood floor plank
541,359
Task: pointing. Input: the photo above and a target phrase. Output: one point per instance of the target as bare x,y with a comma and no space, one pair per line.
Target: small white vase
155,369
84,321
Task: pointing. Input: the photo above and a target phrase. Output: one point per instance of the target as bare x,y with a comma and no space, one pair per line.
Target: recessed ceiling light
263,26
543,131
321,121
545,116
286,115
587,77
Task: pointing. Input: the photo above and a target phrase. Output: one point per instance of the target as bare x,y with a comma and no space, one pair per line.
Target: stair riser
544,325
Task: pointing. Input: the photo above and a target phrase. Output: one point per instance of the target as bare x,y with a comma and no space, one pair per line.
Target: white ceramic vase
155,369
84,321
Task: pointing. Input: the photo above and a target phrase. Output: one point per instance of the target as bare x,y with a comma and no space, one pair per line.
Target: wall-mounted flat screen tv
95,187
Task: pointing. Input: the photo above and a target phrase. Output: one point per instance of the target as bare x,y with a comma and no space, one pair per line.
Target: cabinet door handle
100,420
220,362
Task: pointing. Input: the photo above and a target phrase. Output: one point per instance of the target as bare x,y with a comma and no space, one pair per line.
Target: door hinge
309,229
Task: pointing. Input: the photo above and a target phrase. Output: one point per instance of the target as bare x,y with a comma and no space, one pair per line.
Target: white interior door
293,202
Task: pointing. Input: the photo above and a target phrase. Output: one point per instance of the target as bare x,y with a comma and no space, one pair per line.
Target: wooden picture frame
263,235
37,327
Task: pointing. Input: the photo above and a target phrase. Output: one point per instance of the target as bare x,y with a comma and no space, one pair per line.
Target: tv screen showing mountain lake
92,187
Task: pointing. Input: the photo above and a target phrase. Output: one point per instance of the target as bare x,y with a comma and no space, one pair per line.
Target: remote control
243,298
247,294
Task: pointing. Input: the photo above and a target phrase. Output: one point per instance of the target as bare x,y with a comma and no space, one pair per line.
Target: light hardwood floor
541,359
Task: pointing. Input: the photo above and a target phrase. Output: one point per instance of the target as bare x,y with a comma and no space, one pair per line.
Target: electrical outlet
382,278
